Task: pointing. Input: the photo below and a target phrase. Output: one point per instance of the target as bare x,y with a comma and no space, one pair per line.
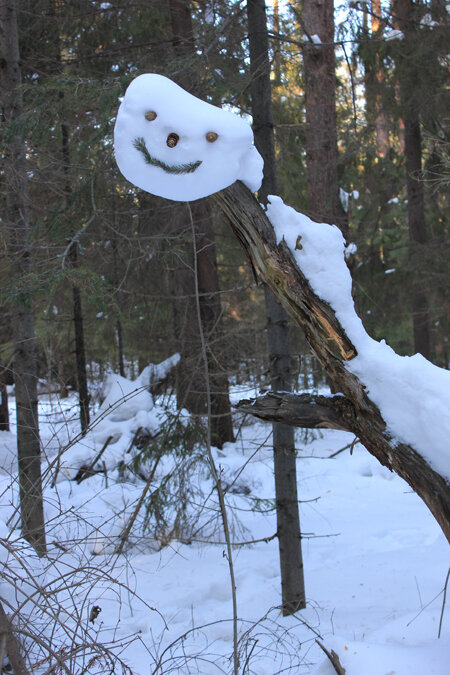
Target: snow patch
393,34
386,659
123,398
350,249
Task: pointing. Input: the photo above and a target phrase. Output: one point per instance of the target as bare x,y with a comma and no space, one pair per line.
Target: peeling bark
308,411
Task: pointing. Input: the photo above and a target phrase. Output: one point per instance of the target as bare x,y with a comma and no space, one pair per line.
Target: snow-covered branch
398,404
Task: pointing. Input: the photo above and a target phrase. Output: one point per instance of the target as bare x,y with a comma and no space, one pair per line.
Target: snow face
412,394
176,146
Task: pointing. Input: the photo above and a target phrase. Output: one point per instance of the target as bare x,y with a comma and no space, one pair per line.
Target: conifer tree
17,221
320,133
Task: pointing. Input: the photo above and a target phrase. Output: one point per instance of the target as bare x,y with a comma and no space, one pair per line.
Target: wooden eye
172,140
150,115
211,136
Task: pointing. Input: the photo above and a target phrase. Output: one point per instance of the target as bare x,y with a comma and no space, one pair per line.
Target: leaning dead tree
354,411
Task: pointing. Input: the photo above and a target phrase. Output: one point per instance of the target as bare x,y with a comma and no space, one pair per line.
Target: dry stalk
215,474
11,644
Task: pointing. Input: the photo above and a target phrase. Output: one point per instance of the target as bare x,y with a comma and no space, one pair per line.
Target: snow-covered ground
375,563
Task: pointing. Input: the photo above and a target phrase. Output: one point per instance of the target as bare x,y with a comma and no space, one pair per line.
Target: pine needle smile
139,144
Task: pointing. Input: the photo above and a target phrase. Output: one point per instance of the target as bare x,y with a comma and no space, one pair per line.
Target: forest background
117,261
97,276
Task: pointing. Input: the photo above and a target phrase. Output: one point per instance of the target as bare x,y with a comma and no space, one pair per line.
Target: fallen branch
334,658
123,538
275,265
309,411
88,471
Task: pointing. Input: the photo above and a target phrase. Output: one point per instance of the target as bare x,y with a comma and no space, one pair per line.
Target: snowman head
174,145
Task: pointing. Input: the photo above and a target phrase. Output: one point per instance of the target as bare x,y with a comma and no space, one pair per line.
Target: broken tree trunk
276,266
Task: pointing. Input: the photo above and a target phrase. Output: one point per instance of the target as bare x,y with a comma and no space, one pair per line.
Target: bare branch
309,411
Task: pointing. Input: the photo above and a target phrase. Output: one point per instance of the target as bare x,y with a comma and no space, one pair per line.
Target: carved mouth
139,144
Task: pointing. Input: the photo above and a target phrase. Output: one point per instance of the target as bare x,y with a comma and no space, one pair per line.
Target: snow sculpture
176,146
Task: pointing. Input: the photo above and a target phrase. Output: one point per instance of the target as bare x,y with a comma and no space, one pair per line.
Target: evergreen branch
139,144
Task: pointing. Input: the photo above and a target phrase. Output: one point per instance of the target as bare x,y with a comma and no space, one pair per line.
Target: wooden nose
172,140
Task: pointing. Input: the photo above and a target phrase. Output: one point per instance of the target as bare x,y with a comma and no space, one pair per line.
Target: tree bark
409,80
119,334
277,267
288,521
4,410
416,225
12,644
308,411
17,220
191,388
80,352
321,139
374,79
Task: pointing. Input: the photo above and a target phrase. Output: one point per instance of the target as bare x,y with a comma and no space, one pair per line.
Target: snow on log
410,434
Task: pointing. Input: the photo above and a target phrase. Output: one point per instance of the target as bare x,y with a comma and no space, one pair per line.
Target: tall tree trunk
191,389
119,333
409,80
277,49
375,83
288,521
73,253
80,352
17,221
416,226
4,411
321,140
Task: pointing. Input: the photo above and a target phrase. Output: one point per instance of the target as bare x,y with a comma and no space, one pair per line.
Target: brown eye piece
150,115
211,136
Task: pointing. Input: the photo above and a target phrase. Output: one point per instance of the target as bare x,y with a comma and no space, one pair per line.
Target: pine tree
17,221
